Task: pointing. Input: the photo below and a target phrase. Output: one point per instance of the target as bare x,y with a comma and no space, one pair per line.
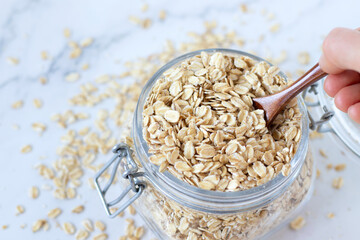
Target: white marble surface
28,27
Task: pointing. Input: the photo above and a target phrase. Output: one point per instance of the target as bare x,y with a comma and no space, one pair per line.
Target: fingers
354,112
341,51
347,97
335,82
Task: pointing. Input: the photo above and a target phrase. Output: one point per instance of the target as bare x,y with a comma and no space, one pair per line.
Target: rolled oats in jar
202,163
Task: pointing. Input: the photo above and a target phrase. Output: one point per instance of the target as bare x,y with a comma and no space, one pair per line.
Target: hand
341,60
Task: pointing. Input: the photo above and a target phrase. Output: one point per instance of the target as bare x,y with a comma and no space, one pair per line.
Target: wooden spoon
274,103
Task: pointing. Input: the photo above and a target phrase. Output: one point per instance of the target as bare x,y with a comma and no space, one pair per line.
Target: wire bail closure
121,151
326,116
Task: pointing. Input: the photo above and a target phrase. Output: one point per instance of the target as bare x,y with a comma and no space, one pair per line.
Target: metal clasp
326,116
121,151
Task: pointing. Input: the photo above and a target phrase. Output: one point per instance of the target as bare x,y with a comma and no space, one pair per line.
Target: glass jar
174,209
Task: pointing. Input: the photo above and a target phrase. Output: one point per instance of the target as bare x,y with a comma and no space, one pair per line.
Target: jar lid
345,128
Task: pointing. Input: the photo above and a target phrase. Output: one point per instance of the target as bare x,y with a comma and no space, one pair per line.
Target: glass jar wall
175,209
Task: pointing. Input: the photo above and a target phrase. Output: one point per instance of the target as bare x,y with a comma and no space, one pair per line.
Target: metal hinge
121,151
326,116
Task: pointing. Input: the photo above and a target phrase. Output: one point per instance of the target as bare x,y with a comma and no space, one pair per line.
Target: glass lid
346,129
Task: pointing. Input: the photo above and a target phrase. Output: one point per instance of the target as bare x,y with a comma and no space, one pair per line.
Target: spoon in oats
274,103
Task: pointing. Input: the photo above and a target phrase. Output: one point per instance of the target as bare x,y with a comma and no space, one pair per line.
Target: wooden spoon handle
285,95
310,77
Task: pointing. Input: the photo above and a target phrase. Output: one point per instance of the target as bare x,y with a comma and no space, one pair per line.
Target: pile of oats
200,124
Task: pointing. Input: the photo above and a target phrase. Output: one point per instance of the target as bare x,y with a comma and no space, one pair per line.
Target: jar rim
207,200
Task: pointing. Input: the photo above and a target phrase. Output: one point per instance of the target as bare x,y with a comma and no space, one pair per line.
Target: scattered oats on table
135,20
139,232
146,23
72,77
114,209
45,171
244,8
86,42
54,213
88,225
39,127
103,79
34,192
13,60
19,210
162,14
44,55
82,234
69,228
91,183
275,28
37,103
59,193
144,7
68,117
26,149
43,80
132,210
39,224
131,231
73,44
100,225
338,182
200,124
17,104
67,33
101,236
85,66
75,53
322,153
78,209
297,223
340,167
70,193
